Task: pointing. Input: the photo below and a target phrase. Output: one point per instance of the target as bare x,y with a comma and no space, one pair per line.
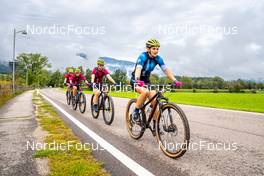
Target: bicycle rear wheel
82,102
173,132
135,130
95,114
108,110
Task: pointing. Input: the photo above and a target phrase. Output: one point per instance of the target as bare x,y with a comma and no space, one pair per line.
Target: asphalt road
240,136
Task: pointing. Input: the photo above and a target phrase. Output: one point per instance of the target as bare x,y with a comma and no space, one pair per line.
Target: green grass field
236,101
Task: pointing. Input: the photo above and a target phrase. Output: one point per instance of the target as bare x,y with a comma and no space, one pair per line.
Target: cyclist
97,76
145,64
69,73
76,79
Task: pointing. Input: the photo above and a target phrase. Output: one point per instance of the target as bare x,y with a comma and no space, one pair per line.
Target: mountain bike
171,127
106,104
79,99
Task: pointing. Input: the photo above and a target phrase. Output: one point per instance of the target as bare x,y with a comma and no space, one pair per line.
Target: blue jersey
148,64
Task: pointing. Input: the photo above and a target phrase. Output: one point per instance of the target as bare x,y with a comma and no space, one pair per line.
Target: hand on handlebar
177,83
140,83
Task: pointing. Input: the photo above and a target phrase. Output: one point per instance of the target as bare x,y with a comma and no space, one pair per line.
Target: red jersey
99,75
67,76
76,80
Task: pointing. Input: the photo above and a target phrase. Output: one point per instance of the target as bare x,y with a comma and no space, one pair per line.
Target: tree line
34,70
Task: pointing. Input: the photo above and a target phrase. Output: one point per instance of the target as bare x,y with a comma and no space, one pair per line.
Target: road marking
123,158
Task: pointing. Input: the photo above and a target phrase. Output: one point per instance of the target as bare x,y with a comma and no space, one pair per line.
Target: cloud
124,28
82,55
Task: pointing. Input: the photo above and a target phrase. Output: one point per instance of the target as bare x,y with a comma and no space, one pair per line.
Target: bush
194,90
215,90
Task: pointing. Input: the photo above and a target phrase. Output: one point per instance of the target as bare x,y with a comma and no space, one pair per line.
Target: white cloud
253,47
129,24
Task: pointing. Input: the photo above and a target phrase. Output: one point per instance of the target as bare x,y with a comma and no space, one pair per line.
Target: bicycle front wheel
173,132
68,97
74,102
82,102
108,110
94,113
135,130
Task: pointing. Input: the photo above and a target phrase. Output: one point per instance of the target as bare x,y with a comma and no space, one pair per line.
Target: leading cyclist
145,64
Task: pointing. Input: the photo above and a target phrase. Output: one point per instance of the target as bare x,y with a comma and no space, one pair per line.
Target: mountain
113,64
4,67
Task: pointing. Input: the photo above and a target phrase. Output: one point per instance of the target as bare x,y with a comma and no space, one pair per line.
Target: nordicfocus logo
63,146
69,29
201,145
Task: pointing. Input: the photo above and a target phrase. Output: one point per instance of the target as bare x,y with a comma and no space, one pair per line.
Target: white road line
123,158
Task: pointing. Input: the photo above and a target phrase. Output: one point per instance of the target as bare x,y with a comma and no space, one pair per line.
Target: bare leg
96,96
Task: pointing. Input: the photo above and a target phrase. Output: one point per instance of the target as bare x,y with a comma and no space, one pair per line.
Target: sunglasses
100,65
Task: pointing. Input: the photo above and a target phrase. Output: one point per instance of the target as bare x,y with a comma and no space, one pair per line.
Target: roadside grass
71,161
5,98
236,101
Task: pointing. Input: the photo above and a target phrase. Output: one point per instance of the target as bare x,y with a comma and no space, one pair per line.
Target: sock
136,110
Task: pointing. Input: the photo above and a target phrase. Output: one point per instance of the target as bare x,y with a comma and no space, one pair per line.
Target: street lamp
14,54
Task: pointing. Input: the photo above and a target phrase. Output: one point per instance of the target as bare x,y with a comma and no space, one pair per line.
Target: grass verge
5,98
71,161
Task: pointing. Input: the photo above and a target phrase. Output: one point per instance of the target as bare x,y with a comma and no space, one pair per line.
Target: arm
138,73
169,74
110,79
92,78
166,70
140,62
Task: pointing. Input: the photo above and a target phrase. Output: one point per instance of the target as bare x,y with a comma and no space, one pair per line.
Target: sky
198,38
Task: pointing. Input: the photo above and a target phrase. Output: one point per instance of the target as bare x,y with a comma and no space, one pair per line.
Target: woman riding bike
69,73
97,77
145,64
76,79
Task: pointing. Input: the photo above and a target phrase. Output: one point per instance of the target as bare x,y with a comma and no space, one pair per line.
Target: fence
7,89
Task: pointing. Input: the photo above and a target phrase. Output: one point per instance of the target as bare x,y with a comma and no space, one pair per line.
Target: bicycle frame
159,97
103,94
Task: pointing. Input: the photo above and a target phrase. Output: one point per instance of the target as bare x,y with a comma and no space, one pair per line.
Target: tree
56,79
218,82
88,74
164,80
119,76
45,78
235,86
32,65
187,82
154,78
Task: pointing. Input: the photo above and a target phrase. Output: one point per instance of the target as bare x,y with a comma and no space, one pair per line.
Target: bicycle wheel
135,130
173,132
68,97
94,114
82,102
108,110
74,102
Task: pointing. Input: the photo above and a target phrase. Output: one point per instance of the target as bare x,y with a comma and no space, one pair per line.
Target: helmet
77,70
70,70
152,43
100,62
